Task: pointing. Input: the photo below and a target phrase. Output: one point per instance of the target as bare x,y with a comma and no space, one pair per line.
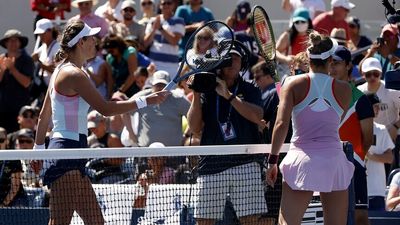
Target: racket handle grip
171,85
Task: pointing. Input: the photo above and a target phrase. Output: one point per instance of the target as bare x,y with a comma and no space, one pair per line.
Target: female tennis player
69,96
316,161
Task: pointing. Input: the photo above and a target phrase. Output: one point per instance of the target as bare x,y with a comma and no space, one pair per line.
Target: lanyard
230,105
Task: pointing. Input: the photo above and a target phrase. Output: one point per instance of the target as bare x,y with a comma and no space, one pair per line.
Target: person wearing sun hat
71,94
325,22
293,41
16,71
86,15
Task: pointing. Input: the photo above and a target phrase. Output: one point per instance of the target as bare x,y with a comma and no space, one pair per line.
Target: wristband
141,102
395,126
273,159
36,146
230,99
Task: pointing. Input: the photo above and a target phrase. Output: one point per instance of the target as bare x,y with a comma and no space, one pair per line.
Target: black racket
263,34
206,48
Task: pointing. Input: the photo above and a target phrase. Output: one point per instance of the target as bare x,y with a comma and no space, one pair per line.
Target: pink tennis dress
315,160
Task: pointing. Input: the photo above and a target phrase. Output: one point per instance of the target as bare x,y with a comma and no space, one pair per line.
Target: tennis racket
205,50
263,34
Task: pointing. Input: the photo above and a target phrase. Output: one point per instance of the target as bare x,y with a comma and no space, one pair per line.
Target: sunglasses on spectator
166,3
2,140
129,10
300,21
147,3
206,38
84,3
372,73
25,141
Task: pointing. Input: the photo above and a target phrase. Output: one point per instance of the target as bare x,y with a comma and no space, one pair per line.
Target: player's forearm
194,115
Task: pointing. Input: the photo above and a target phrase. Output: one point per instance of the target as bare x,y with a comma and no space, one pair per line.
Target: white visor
85,32
326,54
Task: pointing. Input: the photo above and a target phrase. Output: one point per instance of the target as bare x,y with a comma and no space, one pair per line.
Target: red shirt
47,14
324,24
299,44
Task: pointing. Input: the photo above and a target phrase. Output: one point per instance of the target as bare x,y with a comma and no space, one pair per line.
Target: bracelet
273,159
36,146
230,99
141,102
395,126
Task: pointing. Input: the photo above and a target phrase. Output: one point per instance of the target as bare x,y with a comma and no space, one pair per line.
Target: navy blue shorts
63,166
360,186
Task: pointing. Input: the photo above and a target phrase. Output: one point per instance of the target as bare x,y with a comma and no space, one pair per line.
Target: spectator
194,15
315,7
46,53
111,11
12,193
238,20
100,73
393,197
147,8
3,138
379,153
141,190
294,40
325,22
222,117
87,16
24,140
128,26
300,64
162,35
155,122
27,118
357,40
385,49
339,34
159,172
16,71
97,125
356,128
123,61
50,9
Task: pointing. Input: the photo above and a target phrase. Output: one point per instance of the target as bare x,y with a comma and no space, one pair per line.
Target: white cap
85,32
76,2
43,25
94,117
160,77
128,3
371,64
156,145
342,3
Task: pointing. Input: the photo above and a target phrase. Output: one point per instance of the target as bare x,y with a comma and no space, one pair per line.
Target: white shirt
376,176
115,12
390,104
46,56
312,6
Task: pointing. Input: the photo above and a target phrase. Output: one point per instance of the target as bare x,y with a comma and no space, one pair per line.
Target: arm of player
195,115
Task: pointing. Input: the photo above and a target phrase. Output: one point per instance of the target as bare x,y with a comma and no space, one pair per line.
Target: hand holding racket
206,48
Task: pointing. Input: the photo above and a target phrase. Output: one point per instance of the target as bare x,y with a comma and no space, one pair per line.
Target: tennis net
165,185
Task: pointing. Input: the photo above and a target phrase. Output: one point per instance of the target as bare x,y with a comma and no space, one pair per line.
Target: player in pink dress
316,161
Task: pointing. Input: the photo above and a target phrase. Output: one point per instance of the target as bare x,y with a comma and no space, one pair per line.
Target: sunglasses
300,22
206,38
83,3
28,115
25,141
166,3
147,3
2,140
374,74
129,10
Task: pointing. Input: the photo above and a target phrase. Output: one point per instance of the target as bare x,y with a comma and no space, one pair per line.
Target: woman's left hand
272,174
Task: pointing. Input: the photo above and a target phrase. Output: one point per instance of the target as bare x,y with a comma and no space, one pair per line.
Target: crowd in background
137,56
